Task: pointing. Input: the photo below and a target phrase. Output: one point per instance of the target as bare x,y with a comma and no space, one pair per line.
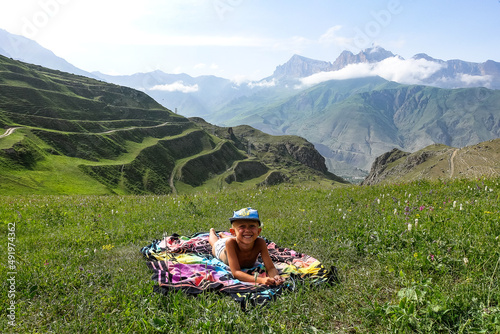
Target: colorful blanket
186,263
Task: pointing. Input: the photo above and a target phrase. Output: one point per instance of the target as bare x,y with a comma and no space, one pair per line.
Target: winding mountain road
452,163
9,132
131,128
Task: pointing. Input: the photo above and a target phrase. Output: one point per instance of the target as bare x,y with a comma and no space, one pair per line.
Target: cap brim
254,219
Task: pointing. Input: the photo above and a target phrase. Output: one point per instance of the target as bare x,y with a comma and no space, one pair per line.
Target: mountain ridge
77,135
354,121
26,50
271,103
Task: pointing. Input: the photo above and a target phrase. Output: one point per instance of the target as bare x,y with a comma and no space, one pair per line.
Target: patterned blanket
186,263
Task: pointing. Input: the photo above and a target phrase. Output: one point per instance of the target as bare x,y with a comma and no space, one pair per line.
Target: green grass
54,175
79,269
10,140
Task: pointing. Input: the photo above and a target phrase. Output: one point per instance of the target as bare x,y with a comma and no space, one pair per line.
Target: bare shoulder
231,242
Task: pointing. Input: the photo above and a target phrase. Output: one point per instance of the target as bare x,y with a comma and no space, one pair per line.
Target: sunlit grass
419,257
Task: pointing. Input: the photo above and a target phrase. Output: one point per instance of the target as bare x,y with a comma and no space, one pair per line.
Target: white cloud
240,79
262,84
411,71
331,37
177,86
475,80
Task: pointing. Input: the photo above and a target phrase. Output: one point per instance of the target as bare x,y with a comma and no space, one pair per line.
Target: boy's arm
234,265
270,268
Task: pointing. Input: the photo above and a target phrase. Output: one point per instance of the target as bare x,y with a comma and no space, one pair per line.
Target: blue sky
247,39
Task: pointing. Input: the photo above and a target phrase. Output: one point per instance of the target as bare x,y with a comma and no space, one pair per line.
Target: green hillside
351,122
437,162
68,134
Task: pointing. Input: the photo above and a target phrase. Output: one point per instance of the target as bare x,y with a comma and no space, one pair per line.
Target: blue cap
247,214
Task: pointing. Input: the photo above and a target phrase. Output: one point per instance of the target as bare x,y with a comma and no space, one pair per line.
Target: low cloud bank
177,86
476,80
411,71
262,84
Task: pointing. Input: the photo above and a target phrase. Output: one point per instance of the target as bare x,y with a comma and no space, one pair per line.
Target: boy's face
245,230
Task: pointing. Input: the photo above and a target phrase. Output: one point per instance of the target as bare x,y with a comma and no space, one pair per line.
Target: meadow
422,257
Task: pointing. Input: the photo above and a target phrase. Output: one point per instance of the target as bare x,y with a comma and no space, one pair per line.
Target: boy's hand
279,280
276,280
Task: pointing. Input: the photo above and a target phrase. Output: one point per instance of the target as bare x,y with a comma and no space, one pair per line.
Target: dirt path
452,163
131,128
8,132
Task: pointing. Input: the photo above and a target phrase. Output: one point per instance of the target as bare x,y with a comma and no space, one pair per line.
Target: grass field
420,257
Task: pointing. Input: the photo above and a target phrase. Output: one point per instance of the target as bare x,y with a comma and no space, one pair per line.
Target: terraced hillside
63,134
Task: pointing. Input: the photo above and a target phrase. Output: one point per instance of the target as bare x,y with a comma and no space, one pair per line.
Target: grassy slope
69,121
79,268
470,162
60,174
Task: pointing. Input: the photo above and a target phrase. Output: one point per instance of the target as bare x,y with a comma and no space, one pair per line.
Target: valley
68,134
350,119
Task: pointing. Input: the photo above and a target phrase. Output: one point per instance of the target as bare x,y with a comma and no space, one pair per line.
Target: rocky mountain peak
424,56
370,55
300,67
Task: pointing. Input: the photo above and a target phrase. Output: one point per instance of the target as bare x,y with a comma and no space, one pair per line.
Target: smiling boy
243,247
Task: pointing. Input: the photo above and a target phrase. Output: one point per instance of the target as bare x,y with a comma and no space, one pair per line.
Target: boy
242,249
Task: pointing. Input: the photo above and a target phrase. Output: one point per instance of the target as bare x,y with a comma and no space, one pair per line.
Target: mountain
437,162
298,67
29,51
351,122
69,134
420,69
191,96
370,55
334,114
459,74
453,73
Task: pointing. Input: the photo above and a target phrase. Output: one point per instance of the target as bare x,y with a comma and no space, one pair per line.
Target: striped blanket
186,263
